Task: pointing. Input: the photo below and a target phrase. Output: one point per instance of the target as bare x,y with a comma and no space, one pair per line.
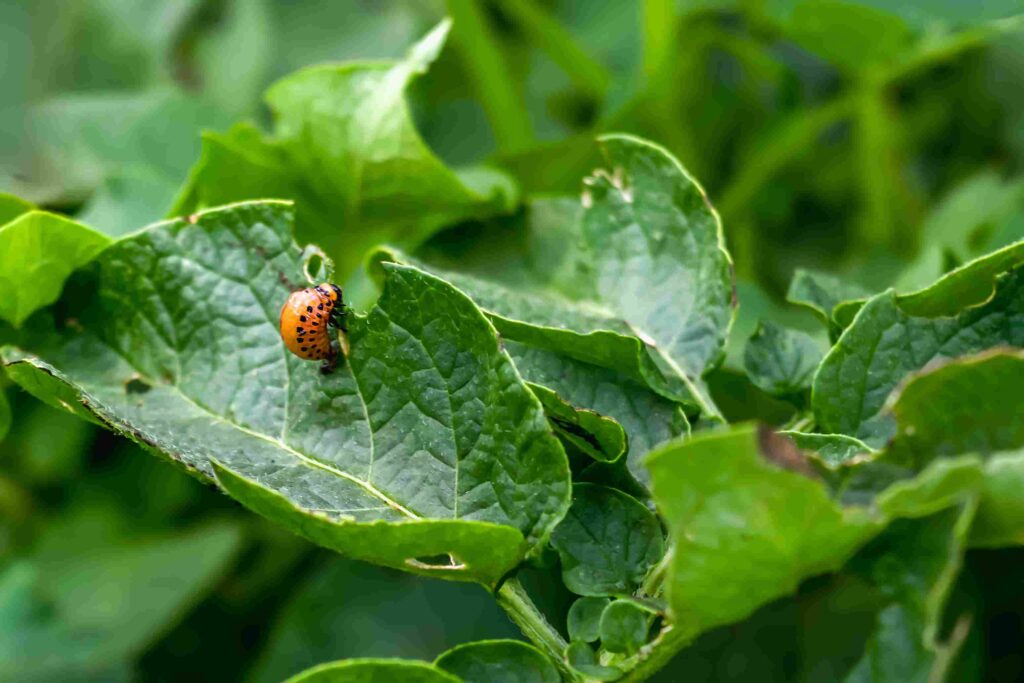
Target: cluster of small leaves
556,401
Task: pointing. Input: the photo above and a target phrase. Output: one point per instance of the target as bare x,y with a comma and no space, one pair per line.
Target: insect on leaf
426,451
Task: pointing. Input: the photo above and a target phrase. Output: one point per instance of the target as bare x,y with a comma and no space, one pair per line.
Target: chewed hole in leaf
316,265
137,386
443,562
616,178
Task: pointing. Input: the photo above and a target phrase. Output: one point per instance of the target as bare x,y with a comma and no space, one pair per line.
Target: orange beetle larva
305,319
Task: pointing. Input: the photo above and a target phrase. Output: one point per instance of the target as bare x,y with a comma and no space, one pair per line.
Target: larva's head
332,291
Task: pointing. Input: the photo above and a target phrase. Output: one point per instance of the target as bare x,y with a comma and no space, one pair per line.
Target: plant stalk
587,73
486,67
516,602
655,655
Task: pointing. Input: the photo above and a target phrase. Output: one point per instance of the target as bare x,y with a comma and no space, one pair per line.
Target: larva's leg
339,318
328,366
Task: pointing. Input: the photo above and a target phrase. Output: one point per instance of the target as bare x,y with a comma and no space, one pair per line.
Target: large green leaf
653,292
498,661
72,616
913,564
374,671
888,340
744,530
608,542
346,149
38,251
426,443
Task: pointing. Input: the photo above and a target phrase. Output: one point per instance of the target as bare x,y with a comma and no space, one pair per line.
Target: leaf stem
516,602
656,577
659,22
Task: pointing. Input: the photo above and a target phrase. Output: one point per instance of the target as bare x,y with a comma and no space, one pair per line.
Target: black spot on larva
299,330
309,309
305,348
319,315
302,318
315,323
321,307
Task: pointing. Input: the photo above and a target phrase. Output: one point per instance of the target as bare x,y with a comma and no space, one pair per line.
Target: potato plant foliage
547,399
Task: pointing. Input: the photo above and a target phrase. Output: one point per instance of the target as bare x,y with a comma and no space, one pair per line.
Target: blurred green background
882,140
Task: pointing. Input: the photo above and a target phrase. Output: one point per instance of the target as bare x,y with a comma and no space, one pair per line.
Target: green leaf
978,205
11,207
38,251
70,615
754,305
582,658
647,418
498,661
821,293
129,199
833,29
1000,518
82,139
731,512
942,484
972,284
658,254
781,361
346,149
245,34
653,296
969,405
832,449
913,564
373,671
584,621
113,44
600,437
888,341
608,542
439,450
624,626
